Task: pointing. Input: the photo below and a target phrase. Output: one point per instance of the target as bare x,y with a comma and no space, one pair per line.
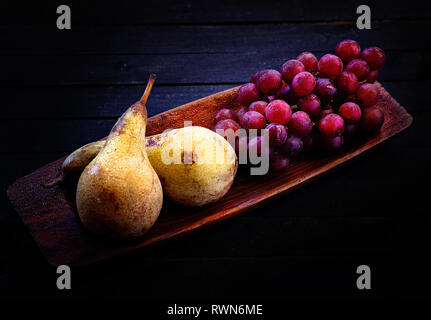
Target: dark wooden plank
109,102
94,102
210,279
176,68
63,240
203,11
210,39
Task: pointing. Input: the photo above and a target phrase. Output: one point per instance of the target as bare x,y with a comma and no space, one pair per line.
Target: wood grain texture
174,68
153,40
166,12
50,216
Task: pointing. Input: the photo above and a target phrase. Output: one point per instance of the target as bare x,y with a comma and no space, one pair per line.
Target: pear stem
148,89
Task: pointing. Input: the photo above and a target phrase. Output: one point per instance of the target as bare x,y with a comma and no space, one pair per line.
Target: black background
60,89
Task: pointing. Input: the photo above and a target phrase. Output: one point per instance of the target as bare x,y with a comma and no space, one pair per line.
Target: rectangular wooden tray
51,218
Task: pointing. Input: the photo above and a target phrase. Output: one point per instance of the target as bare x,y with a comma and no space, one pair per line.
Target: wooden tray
50,216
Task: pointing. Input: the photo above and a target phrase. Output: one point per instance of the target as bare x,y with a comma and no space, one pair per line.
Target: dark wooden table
60,89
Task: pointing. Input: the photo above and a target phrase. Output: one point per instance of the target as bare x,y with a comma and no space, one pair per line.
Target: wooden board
51,218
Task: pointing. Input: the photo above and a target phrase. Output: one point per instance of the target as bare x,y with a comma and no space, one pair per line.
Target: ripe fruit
310,104
372,76
325,112
292,146
330,65
277,134
331,125
225,114
240,113
222,126
119,193
279,112
347,82
256,75
372,119
359,67
336,91
289,95
300,125
269,82
309,142
258,106
253,120
278,162
309,61
291,68
248,93
241,146
258,147
348,50
351,129
367,94
303,83
374,56
350,112
332,144
325,89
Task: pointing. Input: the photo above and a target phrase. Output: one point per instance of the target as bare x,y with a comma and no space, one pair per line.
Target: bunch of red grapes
309,103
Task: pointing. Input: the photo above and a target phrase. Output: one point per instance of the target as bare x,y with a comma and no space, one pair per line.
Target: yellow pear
195,165
119,194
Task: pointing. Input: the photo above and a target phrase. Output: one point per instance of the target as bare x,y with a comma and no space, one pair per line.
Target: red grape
350,112
300,125
309,61
258,106
310,104
241,145
372,76
248,93
256,75
225,114
325,89
347,82
372,119
330,65
292,147
348,50
351,129
303,83
374,56
257,147
277,134
278,111
240,113
331,125
309,142
253,120
289,95
359,67
278,162
325,112
269,82
291,68
367,94
332,144
351,98
222,128
279,92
